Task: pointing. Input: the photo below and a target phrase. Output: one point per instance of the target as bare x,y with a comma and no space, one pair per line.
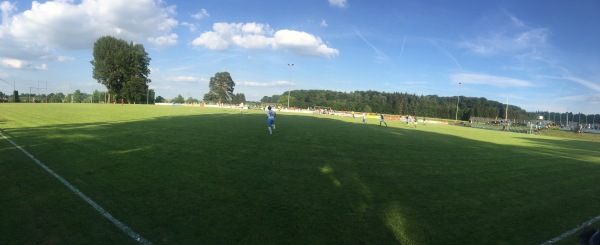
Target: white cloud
201,14
7,8
64,58
211,40
191,26
302,43
338,3
260,36
514,39
42,67
323,23
585,83
184,79
573,98
168,40
75,25
508,43
483,79
271,84
20,64
12,63
516,21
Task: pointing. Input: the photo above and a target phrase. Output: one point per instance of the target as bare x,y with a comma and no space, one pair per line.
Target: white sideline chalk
571,232
136,237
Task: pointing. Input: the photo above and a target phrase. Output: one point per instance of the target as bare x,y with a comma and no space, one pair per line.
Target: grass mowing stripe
97,207
571,232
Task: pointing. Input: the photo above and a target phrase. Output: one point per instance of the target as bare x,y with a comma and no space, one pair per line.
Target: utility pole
290,84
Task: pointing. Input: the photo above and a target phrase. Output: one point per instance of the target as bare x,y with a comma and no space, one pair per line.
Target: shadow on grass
221,178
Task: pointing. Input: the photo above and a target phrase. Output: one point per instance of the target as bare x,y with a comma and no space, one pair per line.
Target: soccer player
271,119
381,120
364,116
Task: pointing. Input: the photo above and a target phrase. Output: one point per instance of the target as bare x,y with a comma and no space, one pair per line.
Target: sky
538,54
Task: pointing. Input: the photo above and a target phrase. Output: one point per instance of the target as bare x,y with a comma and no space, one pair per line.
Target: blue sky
539,54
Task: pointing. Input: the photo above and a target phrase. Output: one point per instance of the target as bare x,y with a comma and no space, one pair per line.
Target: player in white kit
271,119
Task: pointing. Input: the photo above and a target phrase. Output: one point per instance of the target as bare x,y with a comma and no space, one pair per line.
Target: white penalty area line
135,236
573,231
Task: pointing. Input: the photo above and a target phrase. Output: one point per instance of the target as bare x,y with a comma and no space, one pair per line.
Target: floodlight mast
567,115
457,102
506,111
290,83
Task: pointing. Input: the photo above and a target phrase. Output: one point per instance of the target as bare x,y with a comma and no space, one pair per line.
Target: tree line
420,105
75,97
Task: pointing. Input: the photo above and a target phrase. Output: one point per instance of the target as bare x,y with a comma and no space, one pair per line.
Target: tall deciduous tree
123,68
221,88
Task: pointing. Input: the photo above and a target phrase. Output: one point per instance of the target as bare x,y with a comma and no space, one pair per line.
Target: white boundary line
571,232
89,201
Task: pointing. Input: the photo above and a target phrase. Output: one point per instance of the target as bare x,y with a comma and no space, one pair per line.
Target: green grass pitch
194,175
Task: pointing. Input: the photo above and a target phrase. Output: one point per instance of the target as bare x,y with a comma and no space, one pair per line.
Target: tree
136,87
151,95
210,97
77,96
99,97
134,90
123,68
239,98
191,100
272,99
159,99
221,88
178,99
284,99
57,98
